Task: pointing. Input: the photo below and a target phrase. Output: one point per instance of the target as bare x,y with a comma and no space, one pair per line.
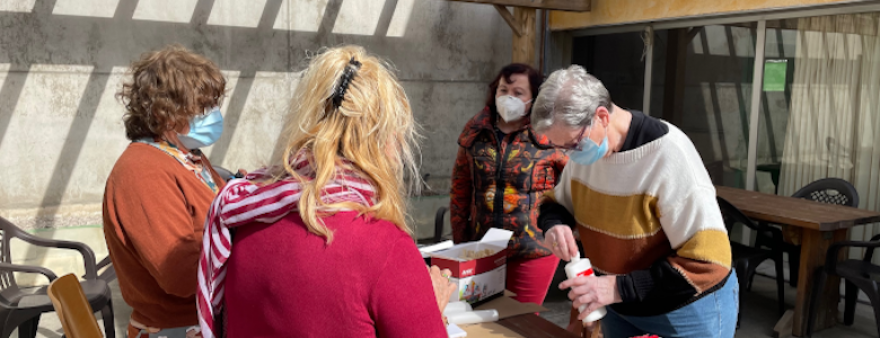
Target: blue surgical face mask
204,130
590,152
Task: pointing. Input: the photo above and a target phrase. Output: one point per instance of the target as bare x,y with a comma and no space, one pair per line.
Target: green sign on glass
774,75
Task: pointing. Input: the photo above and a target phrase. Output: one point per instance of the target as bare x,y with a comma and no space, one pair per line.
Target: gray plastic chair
108,275
21,307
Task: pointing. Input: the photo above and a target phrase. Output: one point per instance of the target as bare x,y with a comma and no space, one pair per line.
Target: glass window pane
717,99
701,82
820,107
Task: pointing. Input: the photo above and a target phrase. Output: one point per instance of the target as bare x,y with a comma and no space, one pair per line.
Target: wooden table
525,325
532,326
820,224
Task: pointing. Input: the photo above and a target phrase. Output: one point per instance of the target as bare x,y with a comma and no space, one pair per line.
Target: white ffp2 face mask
510,108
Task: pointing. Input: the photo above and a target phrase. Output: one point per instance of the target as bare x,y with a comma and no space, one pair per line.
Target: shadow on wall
445,53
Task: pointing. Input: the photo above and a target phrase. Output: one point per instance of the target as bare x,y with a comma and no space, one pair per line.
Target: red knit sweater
370,281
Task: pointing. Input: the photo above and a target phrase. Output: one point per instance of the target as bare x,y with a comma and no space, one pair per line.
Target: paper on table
508,307
490,330
455,332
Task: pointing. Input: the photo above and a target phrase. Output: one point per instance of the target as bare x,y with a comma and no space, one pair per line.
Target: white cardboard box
477,279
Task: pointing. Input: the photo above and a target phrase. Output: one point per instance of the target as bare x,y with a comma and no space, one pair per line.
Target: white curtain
834,126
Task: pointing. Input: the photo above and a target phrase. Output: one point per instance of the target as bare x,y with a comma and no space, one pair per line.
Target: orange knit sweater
154,214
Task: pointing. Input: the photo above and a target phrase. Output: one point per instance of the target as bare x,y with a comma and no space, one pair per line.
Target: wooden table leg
814,245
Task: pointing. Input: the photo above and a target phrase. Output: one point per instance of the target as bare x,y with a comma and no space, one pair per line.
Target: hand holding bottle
589,293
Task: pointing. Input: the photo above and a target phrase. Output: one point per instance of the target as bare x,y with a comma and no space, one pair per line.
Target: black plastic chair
858,274
21,307
438,224
826,190
747,258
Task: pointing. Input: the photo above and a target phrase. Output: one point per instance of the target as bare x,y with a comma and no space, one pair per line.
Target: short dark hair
166,89
535,80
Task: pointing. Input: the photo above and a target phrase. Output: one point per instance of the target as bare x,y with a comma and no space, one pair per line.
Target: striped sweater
649,216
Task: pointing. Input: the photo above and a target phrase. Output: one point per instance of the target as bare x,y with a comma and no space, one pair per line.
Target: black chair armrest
87,253
869,254
834,251
29,269
438,224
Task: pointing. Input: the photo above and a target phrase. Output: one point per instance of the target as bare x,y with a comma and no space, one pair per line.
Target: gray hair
570,96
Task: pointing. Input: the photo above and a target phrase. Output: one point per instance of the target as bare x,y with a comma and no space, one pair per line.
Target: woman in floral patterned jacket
501,171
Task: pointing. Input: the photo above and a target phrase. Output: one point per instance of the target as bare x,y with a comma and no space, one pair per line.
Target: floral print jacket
498,183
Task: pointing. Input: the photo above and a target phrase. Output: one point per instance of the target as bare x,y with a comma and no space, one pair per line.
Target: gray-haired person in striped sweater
636,190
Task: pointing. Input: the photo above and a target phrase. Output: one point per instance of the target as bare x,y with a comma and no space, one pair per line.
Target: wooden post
523,20
524,43
509,19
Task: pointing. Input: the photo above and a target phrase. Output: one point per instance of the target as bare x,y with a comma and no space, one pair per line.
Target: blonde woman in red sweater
320,239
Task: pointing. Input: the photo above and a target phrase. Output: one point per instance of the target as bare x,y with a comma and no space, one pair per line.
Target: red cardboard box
481,278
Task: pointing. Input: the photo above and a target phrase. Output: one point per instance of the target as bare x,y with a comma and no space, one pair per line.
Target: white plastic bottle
457,307
582,267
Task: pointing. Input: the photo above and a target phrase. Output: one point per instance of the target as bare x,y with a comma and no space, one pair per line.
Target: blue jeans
714,315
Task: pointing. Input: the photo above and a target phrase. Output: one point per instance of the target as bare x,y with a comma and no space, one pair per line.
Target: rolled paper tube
436,247
473,317
457,307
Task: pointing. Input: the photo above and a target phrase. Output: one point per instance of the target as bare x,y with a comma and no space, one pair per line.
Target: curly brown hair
166,89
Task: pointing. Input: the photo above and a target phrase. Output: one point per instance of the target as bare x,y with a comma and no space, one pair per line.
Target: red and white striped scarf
245,201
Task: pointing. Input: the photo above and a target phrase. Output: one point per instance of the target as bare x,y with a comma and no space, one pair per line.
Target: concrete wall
62,61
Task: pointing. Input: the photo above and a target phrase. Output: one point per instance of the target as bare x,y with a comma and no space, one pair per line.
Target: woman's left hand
443,288
592,291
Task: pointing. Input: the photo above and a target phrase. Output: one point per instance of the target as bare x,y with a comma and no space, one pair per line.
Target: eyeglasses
576,146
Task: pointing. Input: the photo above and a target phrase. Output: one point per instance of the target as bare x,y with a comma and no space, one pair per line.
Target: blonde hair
373,128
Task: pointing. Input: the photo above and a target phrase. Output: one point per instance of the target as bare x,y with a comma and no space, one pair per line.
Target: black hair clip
347,75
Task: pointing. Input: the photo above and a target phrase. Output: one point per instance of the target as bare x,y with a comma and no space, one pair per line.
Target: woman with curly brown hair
161,188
